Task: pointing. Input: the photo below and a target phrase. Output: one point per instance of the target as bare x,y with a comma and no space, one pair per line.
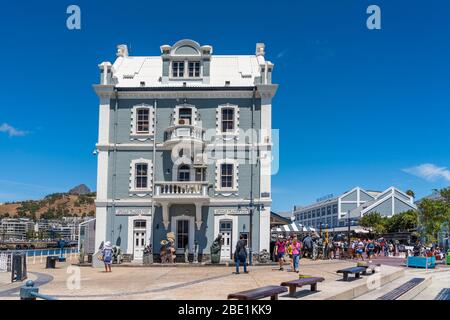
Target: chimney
105,72
260,49
122,50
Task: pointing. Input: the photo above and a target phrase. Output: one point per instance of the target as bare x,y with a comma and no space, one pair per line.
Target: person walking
359,250
296,248
370,248
107,254
240,254
280,248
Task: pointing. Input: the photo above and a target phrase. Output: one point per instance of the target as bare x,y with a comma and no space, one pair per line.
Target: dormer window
178,69
185,69
194,69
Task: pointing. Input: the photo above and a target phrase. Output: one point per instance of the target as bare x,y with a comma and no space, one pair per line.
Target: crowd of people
314,246
289,249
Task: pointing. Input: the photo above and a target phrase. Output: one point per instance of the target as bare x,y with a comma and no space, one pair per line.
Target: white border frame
219,119
218,181
133,133
132,187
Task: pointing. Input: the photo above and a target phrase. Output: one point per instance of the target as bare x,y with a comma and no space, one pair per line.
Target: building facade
15,228
184,146
334,211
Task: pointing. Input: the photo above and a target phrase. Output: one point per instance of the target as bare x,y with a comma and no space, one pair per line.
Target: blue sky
355,107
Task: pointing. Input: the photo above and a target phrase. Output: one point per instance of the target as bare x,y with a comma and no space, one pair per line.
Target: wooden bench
259,293
353,270
294,284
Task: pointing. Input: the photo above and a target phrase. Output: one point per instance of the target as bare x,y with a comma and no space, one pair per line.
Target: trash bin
51,262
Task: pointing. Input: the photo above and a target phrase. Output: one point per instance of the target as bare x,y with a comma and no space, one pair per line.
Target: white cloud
429,172
11,131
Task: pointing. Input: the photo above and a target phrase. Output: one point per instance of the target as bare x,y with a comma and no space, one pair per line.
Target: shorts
280,255
359,251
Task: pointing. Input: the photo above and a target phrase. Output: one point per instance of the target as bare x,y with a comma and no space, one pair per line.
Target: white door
226,232
139,244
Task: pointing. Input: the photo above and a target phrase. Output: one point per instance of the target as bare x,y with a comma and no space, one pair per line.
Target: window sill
227,190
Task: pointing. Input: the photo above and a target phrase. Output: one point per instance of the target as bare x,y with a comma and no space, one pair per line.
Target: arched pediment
186,47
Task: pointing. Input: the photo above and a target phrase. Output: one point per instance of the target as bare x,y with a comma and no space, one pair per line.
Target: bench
353,270
258,293
294,284
371,267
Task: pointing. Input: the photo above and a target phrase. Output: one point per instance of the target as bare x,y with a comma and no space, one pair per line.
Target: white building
333,211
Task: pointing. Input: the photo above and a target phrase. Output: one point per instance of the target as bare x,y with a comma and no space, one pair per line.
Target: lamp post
348,225
251,208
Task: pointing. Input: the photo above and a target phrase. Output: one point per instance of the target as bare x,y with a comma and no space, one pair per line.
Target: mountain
80,189
79,201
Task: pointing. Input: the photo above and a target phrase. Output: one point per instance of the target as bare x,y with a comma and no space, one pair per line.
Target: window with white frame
178,69
184,173
226,176
141,177
142,124
194,69
143,120
227,119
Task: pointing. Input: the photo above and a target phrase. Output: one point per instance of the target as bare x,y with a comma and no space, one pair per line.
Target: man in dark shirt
240,254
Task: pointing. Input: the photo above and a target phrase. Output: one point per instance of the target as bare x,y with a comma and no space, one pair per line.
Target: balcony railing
181,188
184,131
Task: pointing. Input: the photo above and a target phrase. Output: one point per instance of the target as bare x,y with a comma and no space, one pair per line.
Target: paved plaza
208,282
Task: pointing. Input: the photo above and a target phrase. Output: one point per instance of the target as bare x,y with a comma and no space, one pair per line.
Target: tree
410,193
404,221
375,221
433,213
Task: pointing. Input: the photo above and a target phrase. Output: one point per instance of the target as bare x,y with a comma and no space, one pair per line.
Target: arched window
184,173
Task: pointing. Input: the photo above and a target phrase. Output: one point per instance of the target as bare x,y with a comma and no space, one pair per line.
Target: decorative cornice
104,91
183,94
266,91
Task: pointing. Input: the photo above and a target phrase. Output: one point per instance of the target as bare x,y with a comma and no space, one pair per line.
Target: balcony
181,189
183,133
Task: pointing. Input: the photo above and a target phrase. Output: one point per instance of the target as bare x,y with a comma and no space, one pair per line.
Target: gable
352,196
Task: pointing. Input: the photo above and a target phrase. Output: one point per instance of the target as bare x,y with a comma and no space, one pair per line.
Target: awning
293,227
361,231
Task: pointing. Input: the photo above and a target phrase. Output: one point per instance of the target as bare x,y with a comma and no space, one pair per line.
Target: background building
333,211
176,150
15,228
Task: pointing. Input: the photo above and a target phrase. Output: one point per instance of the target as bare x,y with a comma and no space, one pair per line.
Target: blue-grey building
184,146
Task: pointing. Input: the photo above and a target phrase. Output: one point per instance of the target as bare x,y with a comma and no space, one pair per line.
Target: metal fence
34,256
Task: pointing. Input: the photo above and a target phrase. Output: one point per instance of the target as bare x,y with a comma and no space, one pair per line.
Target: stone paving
175,283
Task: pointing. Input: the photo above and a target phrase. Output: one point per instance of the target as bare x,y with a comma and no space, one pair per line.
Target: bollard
26,291
34,257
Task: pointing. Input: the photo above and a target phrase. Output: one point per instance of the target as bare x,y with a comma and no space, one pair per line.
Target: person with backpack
107,256
240,254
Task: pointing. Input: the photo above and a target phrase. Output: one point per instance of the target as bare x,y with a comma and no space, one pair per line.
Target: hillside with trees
53,206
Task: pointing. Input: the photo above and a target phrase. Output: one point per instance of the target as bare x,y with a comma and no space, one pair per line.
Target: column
198,215
165,214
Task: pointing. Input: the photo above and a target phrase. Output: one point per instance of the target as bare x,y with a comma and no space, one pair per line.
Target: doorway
139,239
226,229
